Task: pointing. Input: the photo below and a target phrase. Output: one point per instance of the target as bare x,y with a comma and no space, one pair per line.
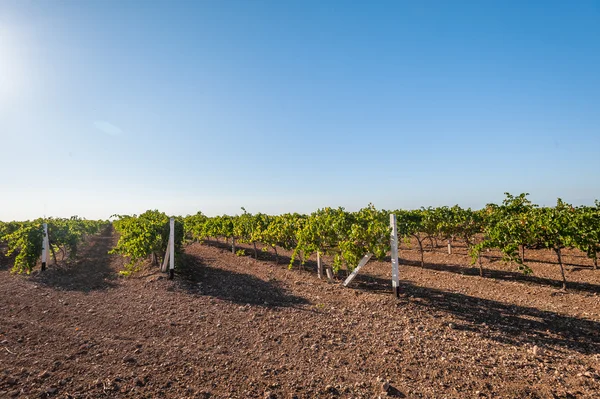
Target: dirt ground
234,327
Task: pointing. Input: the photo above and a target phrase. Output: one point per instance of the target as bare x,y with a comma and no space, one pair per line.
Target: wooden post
449,247
172,248
362,262
329,273
319,266
163,268
45,245
394,256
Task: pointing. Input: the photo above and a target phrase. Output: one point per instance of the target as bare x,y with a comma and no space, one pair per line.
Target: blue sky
121,106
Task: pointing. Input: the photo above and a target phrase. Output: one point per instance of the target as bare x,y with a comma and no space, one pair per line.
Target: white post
163,268
449,247
329,273
394,253
319,266
362,262
45,246
172,248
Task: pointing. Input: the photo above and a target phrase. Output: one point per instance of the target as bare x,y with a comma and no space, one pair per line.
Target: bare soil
234,327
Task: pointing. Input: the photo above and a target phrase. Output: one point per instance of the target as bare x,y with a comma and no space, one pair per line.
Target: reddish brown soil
233,327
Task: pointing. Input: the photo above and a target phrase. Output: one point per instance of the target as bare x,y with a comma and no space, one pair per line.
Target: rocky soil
234,327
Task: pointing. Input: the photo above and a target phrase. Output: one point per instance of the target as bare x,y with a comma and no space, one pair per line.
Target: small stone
52,391
537,351
452,326
128,359
270,395
44,374
385,386
11,381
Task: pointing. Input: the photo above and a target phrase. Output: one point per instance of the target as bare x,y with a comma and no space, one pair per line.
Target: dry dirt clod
128,359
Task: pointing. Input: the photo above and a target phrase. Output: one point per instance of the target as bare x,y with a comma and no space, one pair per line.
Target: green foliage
346,236
194,226
507,227
554,227
463,223
281,230
67,234
25,238
587,225
218,226
240,252
145,235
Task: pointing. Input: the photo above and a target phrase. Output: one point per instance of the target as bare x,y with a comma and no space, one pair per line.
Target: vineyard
512,228
24,239
496,302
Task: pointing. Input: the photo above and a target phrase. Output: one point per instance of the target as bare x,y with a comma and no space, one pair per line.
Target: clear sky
121,106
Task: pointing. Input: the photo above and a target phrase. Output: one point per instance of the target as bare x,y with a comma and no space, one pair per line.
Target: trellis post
319,266
45,245
170,253
394,253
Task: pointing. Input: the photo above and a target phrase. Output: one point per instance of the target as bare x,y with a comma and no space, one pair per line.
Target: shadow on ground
90,271
201,278
505,275
451,268
267,256
506,323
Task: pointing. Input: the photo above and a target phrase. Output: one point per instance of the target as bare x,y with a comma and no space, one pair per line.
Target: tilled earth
234,327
